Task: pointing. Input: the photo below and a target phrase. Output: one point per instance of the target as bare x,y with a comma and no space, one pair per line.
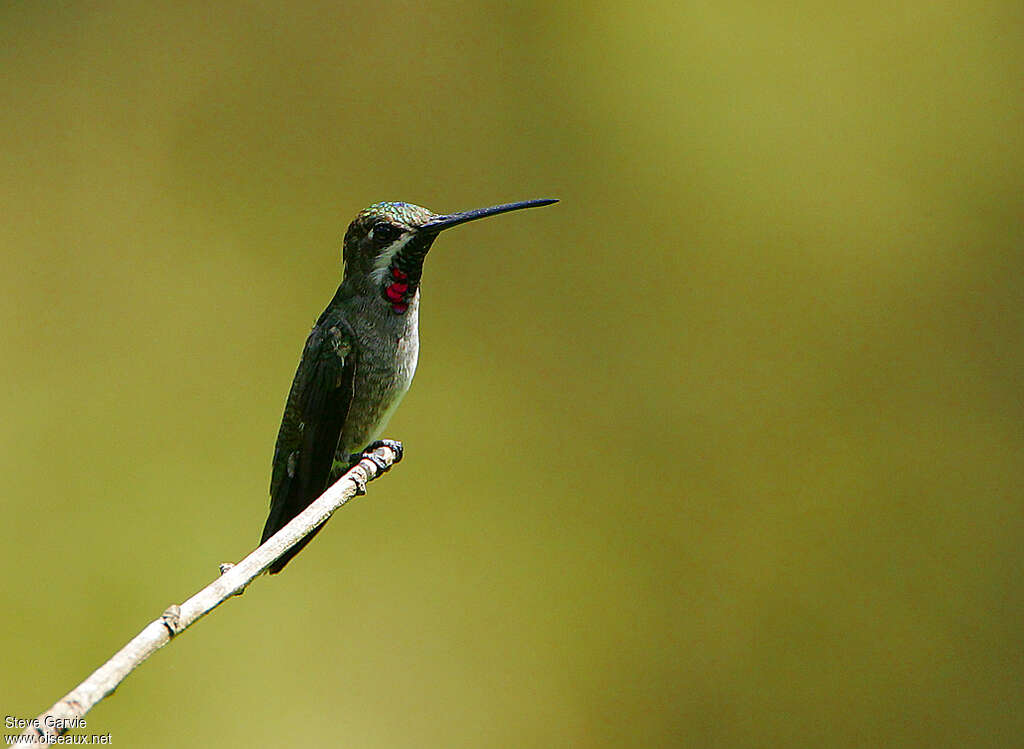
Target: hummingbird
360,357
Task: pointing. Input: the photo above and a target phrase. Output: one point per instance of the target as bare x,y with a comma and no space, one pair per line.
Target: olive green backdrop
724,450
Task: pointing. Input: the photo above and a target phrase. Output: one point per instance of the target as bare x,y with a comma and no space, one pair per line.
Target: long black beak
454,219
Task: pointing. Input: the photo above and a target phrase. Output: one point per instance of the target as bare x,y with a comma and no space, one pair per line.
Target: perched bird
360,358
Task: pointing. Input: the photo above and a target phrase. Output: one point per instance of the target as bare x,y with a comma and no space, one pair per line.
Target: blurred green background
724,450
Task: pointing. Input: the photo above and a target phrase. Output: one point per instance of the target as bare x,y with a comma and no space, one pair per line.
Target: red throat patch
396,292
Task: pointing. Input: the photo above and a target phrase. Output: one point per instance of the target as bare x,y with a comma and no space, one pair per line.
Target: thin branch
58,719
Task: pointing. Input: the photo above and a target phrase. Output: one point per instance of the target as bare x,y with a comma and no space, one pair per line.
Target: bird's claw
369,454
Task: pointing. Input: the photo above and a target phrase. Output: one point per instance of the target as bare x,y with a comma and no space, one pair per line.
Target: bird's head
388,242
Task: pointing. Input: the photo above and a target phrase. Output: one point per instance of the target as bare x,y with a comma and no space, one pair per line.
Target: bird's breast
385,366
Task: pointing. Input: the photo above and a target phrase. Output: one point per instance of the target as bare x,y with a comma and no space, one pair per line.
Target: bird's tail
279,518
278,565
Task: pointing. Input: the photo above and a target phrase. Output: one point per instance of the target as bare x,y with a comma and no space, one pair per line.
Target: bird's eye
385,233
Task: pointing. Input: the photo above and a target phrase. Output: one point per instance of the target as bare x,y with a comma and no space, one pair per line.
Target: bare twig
58,719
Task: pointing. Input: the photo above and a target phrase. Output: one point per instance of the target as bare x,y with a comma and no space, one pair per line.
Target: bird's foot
378,461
